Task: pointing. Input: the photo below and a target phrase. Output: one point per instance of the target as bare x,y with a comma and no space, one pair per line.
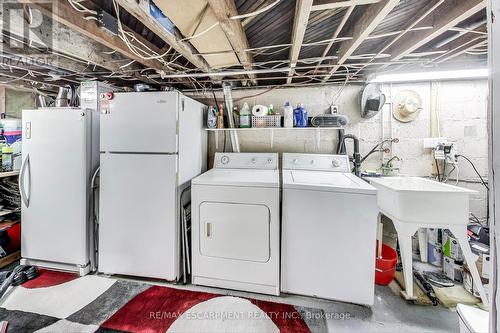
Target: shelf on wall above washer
271,132
272,128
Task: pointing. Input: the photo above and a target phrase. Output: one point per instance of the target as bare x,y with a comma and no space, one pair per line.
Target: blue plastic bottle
300,116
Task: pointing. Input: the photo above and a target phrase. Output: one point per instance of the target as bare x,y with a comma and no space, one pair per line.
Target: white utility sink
421,200
413,203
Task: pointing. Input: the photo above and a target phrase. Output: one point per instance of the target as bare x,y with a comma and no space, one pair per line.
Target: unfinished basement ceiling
192,17
255,42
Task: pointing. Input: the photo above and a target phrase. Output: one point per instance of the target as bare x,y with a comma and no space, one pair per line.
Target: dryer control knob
296,161
269,160
335,163
254,160
313,162
224,159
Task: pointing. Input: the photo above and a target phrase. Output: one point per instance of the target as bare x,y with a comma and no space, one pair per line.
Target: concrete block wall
16,101
462,108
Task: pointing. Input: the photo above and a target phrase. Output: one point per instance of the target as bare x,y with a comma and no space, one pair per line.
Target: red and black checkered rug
64,302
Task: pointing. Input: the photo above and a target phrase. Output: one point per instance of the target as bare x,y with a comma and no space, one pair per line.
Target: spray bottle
288,115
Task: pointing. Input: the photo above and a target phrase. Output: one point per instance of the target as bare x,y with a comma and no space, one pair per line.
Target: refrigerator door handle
24,197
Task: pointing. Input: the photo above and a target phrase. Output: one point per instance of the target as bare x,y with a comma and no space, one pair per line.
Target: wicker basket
266,121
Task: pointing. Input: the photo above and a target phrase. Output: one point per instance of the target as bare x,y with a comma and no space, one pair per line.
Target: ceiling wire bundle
141,50
82,9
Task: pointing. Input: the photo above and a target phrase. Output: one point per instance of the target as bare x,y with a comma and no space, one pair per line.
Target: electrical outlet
108,23
451,156
334,109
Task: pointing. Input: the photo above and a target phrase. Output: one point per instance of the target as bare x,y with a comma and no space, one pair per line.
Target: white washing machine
236,223
329,228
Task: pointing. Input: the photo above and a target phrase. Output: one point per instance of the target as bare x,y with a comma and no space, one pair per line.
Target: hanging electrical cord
28,14
437,170
95,206
15,80
255,13
474,167
445,180
201,33
81,8
379,148
147,53
339,93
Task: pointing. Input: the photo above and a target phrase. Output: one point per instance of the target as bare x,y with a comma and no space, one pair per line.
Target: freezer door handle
26,166
208,228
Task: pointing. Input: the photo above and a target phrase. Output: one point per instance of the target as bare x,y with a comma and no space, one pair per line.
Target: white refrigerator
152,145
60,151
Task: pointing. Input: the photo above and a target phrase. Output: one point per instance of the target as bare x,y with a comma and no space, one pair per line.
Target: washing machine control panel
267,161
335,163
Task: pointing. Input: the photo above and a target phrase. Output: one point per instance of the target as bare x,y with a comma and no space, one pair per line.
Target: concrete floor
390,313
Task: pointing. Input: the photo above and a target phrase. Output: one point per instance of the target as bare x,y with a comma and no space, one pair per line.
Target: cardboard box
434,254
483,264
451,248
453,269
434,236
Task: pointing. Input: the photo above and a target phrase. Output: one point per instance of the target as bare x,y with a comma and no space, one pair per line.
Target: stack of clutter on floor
446,270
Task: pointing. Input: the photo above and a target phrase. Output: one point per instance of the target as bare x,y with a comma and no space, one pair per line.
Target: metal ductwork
62,97
42,101
228,100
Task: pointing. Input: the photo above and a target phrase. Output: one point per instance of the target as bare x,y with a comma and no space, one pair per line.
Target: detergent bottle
300,116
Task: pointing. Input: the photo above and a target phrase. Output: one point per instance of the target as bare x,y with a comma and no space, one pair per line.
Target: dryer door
235,231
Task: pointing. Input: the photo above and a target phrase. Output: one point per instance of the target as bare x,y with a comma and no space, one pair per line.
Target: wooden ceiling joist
206,36
333,4
462,44
18,76
442,22
66,15
302,12
256,6
339,28
419,17
470,46
224,10
74,53
183,47
369,20
74,44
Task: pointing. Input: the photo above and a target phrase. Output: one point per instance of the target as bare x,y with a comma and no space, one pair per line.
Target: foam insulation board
186,16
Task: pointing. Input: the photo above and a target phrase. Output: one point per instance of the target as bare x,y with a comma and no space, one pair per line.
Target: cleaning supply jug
245,116
300,116
288,115
212,117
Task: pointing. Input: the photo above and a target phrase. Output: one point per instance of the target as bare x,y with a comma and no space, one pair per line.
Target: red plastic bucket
385,267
